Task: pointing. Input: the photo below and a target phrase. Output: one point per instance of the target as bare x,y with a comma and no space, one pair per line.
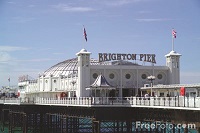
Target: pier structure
84,95
72,77
101,115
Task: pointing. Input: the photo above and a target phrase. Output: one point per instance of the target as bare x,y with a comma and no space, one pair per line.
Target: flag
173,33
85,34
9,79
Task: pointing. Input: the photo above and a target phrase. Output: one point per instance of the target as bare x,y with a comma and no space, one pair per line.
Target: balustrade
181,101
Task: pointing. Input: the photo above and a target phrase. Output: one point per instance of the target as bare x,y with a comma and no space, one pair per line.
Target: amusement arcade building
72,77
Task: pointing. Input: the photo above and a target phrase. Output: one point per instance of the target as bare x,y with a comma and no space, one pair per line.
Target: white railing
189,102
10,100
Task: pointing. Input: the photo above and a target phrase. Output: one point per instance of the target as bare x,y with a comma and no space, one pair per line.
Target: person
146,96
74,96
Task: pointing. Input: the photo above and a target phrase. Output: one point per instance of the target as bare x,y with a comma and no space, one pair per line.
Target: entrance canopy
101,83
100,87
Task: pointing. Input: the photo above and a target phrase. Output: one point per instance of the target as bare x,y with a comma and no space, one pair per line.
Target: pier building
71,77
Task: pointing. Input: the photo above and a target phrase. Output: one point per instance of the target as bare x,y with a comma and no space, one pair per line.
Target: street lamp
73,83
151,78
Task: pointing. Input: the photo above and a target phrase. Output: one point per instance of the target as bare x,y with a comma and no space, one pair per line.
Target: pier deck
99,114
184,103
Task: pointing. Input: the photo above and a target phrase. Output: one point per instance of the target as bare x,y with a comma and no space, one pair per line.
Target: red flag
173,33
182,91
85,34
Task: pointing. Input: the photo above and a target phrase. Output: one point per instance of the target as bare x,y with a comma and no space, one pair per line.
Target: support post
24,123
95,126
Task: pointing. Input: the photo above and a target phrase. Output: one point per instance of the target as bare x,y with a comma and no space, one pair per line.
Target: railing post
194,102
184,100
149,100
178,100
132,100
175,101
164,101
136,100
112,100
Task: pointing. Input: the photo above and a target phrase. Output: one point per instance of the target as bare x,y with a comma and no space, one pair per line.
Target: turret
173,62
83,72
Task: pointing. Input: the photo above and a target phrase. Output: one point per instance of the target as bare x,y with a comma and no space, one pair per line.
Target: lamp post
151,78
73,83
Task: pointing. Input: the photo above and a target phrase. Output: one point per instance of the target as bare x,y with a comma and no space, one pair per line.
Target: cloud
4,53
67,8
22,19
11,2
153,20
36,60
4,57
121,2
31,6
58,53
144,12
12,48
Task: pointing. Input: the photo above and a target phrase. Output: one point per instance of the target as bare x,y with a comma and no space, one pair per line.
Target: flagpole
85,35
172,43
173,36
9,82
83,44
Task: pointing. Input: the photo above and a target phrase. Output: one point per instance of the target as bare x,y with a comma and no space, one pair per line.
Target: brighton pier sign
113,56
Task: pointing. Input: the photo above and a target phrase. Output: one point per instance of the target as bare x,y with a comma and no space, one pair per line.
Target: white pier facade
71,77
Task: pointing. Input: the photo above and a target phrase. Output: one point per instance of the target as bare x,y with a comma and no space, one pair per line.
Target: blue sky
36,34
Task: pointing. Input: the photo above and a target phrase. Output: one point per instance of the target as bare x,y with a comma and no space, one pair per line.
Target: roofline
173,86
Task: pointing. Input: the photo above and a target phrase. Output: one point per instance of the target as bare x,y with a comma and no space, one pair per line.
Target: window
144,76
128,76
54,81
159,76
95,75
111,76
162,94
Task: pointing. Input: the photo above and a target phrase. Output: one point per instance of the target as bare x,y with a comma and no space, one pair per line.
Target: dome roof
63,68
67,68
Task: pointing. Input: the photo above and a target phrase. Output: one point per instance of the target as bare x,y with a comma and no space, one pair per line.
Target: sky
37,34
